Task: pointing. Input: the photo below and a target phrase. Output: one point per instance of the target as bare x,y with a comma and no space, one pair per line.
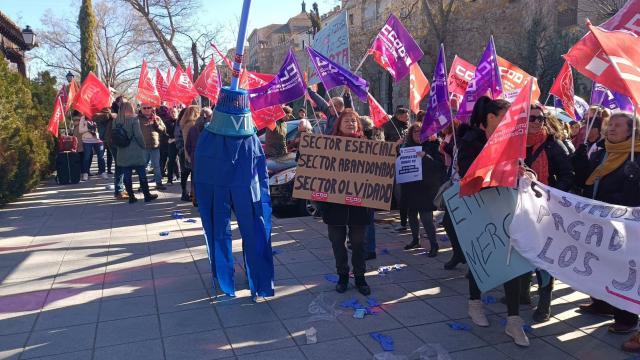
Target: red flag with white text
460,75
610,58
162,83
627,18
190,72
181,89
562,88
418,87
56,117
377,113
92,97
147,91
208,83
497,163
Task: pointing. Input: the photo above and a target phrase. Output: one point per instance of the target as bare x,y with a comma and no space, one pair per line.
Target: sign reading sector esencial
482,225
345,170
590,245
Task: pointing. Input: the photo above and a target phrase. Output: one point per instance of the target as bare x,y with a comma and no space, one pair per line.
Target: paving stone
538,349
404,342
326,330
144,350
414,313
186,300
68,316
11,345
58,341
127,330
128,307
292,353
196,346
292,306
580,345
17,322
259,337
188,321
487,352
346,349
451,340
244,314
379,322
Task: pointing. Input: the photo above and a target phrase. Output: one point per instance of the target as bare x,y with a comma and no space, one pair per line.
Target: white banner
592,246
332,41
409,165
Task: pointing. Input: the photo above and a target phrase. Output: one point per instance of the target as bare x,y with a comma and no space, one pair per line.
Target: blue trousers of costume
232,175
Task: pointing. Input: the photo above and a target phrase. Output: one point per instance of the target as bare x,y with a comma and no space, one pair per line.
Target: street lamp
29,37
70,77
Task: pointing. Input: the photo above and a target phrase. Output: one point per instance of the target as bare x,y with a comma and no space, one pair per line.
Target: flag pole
633,134
591,119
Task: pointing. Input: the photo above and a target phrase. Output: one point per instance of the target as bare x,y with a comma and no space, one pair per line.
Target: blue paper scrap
164,233
359,313
373,302
331,278
487,300
192,221
177,215
276,251
459,326
386,342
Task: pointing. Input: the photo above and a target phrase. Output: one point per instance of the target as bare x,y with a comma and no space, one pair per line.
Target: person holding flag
331,109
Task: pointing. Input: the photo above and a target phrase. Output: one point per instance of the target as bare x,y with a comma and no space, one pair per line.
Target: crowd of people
148,140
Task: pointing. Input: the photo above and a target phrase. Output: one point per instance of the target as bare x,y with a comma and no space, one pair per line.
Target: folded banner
209,83
92,97
332,75
589,245
610,58
486,80
497,163
563,88
288,85
147,91
482,222
438,109
332,41
395,49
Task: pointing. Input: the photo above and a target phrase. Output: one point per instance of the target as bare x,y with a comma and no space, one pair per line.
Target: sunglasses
540,118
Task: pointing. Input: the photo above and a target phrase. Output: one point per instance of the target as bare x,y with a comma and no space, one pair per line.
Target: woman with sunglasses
549,159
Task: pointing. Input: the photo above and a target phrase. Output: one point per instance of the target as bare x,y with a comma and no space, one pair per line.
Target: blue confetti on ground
384,252
164,233
386,342
373,302
444,238
459,326
192,221
177,215
276,251
489,300
331,278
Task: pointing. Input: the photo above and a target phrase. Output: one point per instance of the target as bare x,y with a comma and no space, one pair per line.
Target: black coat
394,130
614,188
419,195
561,174
471,141
338,214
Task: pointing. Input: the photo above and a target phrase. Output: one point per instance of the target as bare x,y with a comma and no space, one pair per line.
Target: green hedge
26,147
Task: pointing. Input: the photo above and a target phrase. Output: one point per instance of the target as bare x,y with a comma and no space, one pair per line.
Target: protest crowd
563,172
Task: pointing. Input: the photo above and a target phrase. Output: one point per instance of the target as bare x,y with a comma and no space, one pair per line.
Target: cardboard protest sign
590,245
409,165
345,170
333,42
482,225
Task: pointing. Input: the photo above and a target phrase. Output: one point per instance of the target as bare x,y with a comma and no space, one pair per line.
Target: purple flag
395,49
287,85
438,111
332,75
611,100
485,80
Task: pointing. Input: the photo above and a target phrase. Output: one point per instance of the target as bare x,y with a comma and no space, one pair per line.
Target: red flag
181,89
147,91
497,164
190,72
460,75
56,117
610,58
562,88
71,95
208,83
513,81
268,116
92,97
224,58
418,87
378,115
62,94
161,83
627,18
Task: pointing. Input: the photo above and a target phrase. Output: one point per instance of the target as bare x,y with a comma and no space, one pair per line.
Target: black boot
132,195
362,285
148,196
185,196
451,264
412,245
343,283
543,311
433,252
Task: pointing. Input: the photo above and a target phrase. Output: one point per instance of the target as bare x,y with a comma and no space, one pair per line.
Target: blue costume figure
232,175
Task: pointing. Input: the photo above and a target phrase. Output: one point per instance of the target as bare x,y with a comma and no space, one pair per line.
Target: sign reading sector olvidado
482,224
345,170
590,245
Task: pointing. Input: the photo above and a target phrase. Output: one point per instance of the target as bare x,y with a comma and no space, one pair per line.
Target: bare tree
438,14
200,48
119,42
600,10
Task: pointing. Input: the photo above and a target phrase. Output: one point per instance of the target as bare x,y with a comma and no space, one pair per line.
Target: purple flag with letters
332,75
486,80
395,49
286,86
609,99
438,111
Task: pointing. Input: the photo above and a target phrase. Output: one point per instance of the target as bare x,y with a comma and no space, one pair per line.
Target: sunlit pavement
83,276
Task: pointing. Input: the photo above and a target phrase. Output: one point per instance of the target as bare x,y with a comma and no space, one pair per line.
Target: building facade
12,44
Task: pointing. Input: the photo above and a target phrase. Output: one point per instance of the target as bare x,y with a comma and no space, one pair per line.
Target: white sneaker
515,329
84,177
476,312
104,176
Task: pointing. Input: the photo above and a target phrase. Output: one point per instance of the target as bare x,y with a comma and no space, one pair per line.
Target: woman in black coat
420,194
346,219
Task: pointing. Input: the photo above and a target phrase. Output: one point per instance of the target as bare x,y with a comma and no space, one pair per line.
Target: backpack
119,136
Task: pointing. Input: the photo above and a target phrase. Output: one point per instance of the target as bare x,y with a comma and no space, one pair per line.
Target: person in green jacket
133,156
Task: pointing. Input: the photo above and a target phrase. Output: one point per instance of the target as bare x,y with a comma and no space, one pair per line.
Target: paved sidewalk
83,276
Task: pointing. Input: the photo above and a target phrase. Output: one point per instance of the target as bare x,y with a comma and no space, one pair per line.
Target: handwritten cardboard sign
482,224
345,170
